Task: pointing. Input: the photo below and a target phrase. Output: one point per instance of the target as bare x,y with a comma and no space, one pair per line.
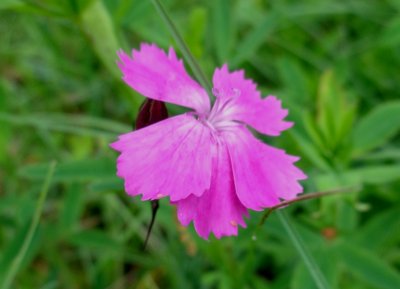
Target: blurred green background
335,64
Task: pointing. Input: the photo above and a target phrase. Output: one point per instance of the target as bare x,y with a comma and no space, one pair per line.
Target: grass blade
15,265
99,28
222,29
255,39
308,260
74,124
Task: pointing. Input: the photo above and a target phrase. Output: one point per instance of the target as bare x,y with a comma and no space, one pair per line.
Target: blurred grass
15,264
336,66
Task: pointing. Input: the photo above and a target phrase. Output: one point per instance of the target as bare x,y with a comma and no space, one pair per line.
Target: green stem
198,73
16,263
308,260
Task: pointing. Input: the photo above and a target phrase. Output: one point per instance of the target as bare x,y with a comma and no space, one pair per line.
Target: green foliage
98,26
333,63
377,127
223,29
369,267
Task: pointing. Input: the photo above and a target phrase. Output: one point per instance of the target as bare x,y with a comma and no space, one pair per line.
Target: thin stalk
198,73
16,263
308,260
306,197
154,208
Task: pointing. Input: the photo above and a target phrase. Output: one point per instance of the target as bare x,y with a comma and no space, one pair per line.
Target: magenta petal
218,210
170,158
162,77
263,174
265,115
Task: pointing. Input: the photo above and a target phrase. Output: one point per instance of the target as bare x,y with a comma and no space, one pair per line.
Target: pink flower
206,161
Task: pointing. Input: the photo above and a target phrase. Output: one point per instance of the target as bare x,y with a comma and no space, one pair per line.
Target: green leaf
326,260
81,170
294,79
369,267
5,131
10,251
222,28
377,127
98,26
378,174
316,135
196,30
375,232
322,8
346,215
313,269
26,245
7,4
255,39
395,3
76,124
128,10
311,152
112,184
72,207
382,155
335,112
365,175
391,34
95,240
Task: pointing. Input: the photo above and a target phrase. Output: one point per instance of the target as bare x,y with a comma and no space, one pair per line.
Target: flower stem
155,204
16,263
306,197
198,73
308,260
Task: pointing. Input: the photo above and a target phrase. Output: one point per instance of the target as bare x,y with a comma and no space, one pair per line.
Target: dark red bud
150,112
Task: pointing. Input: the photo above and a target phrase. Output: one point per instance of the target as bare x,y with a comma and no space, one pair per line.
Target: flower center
220,116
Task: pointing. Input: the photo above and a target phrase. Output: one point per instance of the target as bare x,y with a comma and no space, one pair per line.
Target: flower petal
218,210
162,77
170,158
263,175
265,115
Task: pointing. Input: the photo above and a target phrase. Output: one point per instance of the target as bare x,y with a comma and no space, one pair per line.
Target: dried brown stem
306,197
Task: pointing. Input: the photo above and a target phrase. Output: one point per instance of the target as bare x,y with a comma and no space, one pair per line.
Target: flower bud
150,112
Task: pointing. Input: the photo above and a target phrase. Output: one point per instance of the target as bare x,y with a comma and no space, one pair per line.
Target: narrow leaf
222,28
95,240
255,39
379,174
377,127
98,26
82,170
369,267
375,232
16,263
308,260
74,124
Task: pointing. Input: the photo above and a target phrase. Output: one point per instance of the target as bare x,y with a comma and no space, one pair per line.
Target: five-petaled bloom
206,161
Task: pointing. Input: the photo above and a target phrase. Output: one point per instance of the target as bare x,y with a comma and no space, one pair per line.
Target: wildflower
206,161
